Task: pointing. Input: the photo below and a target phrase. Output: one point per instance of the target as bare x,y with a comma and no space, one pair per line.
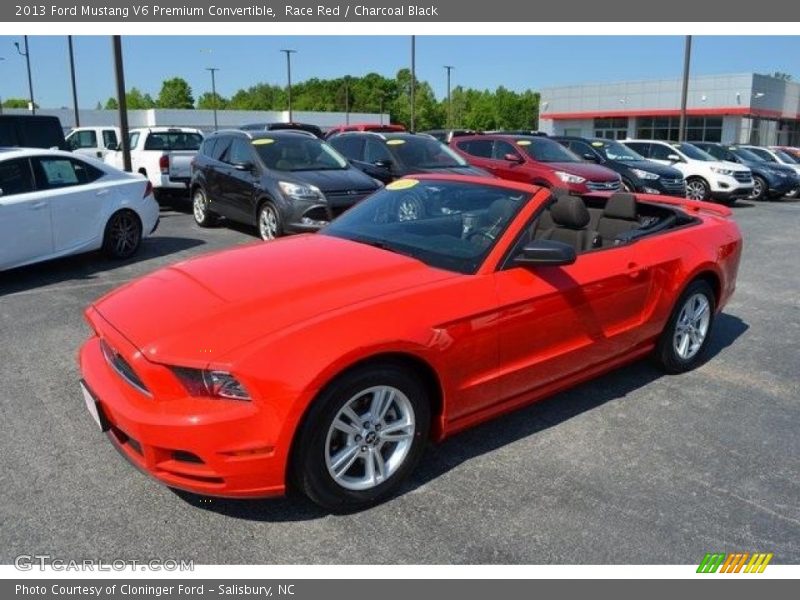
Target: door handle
39,206
634,270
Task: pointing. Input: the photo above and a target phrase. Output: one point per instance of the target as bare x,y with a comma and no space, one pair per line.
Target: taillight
163,163
148,189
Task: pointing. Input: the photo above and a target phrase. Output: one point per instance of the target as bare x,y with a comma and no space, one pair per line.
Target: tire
353,484
123,235
679,349
268,222
203,215
628,188
760,189
697,189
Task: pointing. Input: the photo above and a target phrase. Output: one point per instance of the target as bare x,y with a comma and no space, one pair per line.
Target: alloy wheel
370,438
199,206
124,232
692,326
268,223
695,190
758,189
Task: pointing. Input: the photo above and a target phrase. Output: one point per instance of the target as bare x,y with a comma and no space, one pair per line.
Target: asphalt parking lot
632,468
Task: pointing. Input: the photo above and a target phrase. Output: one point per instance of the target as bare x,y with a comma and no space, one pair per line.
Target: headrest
570,212
621,206
502,209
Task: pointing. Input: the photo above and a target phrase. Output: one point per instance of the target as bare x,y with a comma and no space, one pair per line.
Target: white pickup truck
93,141
164,155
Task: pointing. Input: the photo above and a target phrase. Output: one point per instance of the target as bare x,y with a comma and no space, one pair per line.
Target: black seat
569,217
619,216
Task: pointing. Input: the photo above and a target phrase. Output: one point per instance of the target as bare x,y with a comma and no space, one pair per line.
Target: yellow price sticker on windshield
402,184
598,144
523,142
395,142
263,141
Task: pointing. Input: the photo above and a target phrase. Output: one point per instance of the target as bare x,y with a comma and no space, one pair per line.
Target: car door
77,200
558,322
239,184
514,170
25,226
83,142
478,153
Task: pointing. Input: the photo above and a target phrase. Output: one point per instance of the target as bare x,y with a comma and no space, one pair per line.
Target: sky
481,62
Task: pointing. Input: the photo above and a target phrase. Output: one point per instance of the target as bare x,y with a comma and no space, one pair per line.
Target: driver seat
570,218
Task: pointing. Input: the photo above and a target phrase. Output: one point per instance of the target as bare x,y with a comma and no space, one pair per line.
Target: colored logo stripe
733,563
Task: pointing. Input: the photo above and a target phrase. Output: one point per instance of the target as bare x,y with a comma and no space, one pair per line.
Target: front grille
603,186
672,183
123,369
742,176
346,197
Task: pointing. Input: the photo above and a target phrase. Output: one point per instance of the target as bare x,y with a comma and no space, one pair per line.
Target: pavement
633,468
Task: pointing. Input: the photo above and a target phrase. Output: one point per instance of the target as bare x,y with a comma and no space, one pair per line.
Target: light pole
347,100
213,71
289,78
380,102
449,68
122,102
1,99
413,78
27,56
687,55
74,87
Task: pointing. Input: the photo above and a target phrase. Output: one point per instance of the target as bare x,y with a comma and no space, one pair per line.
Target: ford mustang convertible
325,362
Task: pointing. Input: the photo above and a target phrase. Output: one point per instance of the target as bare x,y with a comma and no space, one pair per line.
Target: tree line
470,108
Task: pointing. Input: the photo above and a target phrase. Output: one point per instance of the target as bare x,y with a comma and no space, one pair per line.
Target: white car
93,141
164,155
54,203
706,177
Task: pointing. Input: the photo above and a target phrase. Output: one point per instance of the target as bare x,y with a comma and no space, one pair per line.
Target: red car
327,361
536,160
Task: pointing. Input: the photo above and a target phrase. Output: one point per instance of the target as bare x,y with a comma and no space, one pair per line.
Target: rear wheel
203,215
760,188
683,341
363,436
123,235
697,189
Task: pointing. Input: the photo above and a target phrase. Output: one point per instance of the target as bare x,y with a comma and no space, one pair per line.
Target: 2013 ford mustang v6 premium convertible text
326,361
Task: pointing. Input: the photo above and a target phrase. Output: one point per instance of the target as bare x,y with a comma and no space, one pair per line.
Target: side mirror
591,157
674,158
244,166
112,146
545,253
511,157
383,164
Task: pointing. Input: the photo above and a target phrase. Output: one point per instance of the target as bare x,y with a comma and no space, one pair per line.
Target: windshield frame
602,148
692,152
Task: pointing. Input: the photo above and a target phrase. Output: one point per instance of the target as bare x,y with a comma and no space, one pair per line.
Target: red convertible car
327,361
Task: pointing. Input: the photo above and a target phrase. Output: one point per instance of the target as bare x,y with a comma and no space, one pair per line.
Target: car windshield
694,152
544,150
786,157
424,152
616,151
745,154
298,153
445,224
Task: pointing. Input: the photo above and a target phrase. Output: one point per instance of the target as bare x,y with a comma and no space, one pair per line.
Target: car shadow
484,438
86,267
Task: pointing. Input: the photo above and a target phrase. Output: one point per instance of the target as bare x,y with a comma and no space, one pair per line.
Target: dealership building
743,108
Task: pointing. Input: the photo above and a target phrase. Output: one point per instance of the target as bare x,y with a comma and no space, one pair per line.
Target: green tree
112,104
17,103
137,100
262,96
209,101
175,93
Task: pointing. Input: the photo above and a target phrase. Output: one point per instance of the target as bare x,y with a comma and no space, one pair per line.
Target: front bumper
657,186
725,187
782,186
209,447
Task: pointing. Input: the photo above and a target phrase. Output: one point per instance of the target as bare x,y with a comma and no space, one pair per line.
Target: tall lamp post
449,68
74,87
347,100
413,80
122,102
289,78
27,56
687,55
1,99
213,71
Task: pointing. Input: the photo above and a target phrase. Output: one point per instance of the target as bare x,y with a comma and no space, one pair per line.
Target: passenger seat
619,216
570,218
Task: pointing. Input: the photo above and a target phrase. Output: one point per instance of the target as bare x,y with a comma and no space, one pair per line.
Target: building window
698,129
615,128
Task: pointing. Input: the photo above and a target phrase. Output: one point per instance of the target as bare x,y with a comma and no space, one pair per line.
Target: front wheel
269,222
123,235
760,189
697,189
203,215
363,436
683,341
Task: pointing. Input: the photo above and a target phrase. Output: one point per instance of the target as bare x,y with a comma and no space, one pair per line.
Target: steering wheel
409,207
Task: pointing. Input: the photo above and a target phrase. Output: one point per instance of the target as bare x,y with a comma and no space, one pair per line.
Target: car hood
198,311
762,165
650,167
334,180
585,170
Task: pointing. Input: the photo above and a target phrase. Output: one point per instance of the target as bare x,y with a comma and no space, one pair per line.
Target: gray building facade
741,108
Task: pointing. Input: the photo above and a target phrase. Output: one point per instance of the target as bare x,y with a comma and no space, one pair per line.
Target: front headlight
569,177
720,171
644,174
213,383
301,191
